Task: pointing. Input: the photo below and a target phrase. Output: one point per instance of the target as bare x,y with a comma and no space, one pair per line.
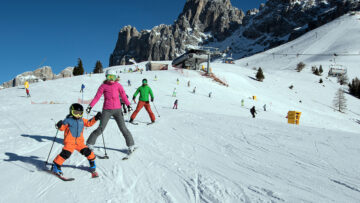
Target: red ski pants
147,107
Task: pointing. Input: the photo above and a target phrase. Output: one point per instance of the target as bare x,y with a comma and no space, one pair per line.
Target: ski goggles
111,77
77,113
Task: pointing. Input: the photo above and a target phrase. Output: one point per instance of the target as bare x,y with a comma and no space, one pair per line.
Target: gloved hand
98,116
88,109
58,124
129,108
134,98
152,99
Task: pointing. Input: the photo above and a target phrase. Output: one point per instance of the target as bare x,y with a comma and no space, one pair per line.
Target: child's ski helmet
76,110
144,81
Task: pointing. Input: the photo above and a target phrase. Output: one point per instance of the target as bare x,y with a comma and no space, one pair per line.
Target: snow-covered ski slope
209,149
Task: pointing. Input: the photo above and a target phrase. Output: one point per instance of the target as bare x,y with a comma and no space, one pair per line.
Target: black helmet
76,110
144,81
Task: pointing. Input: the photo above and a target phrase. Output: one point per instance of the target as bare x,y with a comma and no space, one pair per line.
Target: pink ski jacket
111,91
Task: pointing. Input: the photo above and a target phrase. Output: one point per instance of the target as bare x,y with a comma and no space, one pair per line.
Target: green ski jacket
144,90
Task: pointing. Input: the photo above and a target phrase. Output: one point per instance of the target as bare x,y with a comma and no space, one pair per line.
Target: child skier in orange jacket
73,125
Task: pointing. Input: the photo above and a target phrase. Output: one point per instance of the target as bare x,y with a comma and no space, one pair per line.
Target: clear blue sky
60,32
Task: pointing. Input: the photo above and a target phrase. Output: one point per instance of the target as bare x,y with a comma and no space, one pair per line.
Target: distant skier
155,78
188,83
177,81
194,90
73,125
174,93
253,111
129,83
242,102
210,94
144,91
82,88
264,107
27,92
175,104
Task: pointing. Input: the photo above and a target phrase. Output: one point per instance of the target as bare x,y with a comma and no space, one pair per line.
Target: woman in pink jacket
112,107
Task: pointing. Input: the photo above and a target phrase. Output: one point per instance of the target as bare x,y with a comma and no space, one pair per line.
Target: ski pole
51,147
156,110
102,134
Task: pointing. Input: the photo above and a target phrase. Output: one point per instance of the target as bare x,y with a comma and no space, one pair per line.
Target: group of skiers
74,123
115,99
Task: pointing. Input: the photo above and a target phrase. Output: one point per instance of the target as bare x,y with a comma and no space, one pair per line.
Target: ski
61,176
128,155
134,123
150,123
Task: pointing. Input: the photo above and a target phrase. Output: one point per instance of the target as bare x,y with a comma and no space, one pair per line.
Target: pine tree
354,87
321,69
79,69
340,100
300,66
316,72
98,67
260,75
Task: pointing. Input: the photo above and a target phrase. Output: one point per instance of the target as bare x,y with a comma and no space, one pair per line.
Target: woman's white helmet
110,72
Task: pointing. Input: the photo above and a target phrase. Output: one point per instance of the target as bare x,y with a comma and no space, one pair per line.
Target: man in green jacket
144,90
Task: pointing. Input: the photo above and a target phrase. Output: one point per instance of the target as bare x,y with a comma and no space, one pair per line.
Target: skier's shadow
34,160
40,138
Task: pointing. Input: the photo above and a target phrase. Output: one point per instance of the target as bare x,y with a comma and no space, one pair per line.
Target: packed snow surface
209,149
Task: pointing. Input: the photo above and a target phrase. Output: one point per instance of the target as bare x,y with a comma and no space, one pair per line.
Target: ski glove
129,108
152,99
59,124
88,109
98,116
134,98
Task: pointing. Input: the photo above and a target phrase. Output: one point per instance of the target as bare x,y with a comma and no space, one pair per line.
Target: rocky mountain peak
217,18
204,22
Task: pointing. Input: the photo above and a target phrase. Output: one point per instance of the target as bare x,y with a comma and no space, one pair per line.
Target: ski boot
56,169
131,149
92,165
93,172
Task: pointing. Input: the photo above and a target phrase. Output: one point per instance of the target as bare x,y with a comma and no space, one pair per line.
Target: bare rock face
67,72
217,18
211,21
41,74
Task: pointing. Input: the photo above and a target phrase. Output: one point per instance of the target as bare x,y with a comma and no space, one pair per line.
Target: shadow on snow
41,138
35,161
